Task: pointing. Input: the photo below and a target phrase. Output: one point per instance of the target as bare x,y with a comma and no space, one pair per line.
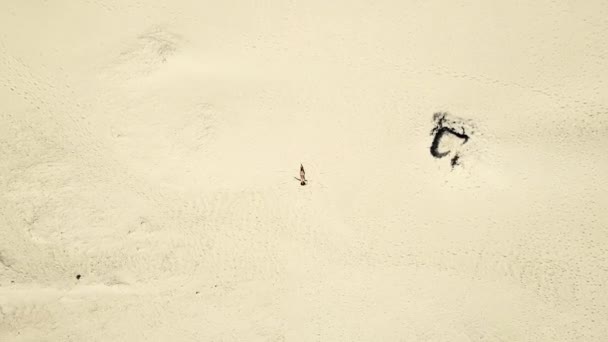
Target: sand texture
456,153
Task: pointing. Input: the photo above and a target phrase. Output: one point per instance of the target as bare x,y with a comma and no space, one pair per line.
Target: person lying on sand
302,178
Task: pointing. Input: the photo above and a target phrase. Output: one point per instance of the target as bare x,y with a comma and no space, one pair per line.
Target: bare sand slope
148,151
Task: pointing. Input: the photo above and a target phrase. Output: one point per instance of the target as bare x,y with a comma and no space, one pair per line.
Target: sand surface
149,149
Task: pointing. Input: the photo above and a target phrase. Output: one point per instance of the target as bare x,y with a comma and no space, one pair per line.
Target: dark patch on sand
454,161
444,127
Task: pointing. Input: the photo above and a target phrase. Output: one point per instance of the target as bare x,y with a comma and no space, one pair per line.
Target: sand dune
148,151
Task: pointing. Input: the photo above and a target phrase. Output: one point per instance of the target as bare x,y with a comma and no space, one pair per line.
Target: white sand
151,147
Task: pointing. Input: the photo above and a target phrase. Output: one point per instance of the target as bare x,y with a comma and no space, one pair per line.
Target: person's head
303,183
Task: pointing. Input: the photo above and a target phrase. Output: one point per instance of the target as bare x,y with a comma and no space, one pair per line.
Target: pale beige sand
151,147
